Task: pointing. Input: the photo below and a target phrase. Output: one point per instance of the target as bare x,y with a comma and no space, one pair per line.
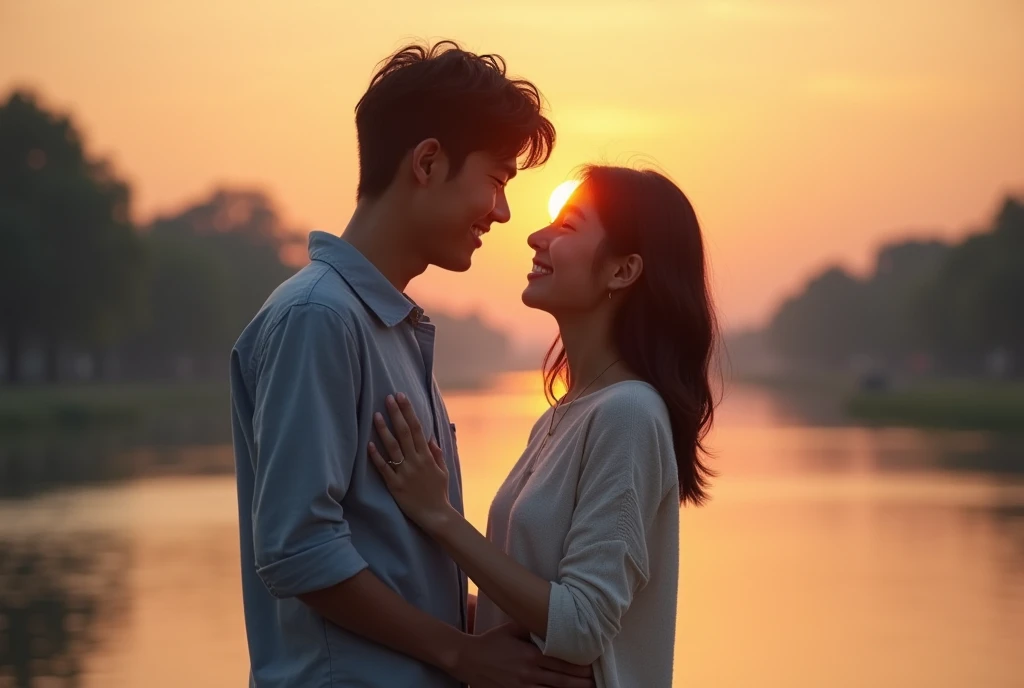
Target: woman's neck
590,350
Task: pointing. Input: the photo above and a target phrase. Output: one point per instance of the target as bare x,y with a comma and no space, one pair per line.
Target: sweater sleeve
605,558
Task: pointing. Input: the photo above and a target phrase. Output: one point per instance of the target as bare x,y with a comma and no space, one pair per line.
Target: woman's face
571,272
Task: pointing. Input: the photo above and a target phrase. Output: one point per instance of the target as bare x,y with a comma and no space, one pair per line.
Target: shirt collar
372,288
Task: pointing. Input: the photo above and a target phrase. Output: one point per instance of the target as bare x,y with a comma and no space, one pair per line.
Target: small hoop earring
609,295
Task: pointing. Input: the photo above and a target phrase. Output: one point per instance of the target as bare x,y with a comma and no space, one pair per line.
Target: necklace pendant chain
552,426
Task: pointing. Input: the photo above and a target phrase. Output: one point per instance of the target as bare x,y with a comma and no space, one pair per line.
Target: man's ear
427,161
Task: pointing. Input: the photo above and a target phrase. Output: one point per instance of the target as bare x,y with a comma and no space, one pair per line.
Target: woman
583,536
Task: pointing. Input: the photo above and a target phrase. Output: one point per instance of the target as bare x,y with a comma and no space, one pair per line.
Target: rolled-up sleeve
606,559
306,440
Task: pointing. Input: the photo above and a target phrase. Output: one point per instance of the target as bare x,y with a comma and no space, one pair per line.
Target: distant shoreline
939,403
39,408
964,404
953,404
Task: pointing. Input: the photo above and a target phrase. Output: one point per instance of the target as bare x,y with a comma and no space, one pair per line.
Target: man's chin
451,264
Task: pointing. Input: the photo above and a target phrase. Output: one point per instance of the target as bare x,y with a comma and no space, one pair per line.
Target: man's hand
506,658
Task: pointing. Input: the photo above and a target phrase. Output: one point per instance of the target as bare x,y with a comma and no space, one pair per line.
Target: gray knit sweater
596,512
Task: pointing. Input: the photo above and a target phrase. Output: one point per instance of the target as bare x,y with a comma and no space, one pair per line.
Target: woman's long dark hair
665,329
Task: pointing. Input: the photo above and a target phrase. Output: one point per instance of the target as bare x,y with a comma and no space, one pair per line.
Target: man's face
456,213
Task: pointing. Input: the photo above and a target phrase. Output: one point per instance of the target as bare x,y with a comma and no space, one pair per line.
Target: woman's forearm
518,592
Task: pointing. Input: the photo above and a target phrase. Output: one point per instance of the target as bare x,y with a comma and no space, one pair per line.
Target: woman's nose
538,241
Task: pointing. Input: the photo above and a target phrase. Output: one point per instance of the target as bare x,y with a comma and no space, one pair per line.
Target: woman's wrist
438,523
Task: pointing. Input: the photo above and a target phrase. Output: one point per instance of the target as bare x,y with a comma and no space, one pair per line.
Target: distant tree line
77,277
86,294
928,306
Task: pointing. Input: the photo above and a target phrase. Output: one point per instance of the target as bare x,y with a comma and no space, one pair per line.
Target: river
829,555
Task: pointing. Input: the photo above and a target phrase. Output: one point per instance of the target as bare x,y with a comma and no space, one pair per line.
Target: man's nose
501,213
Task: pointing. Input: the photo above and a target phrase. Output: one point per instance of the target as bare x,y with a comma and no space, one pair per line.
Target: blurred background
858,168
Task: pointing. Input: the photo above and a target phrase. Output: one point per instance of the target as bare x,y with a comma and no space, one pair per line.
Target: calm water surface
831,555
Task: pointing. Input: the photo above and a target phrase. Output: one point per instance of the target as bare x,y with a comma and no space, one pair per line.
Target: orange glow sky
803,131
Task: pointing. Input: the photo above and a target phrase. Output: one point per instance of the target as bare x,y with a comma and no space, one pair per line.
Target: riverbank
42,407
961,404
955,404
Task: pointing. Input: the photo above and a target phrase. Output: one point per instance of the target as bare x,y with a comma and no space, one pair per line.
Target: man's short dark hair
464,100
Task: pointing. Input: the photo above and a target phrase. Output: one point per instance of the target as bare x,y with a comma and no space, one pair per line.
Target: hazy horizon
803,134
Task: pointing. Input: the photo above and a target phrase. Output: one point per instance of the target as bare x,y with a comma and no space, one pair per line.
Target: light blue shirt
307,375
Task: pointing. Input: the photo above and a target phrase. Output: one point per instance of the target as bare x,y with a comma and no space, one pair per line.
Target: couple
354,548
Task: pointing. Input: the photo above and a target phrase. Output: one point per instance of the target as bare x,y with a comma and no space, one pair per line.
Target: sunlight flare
559,196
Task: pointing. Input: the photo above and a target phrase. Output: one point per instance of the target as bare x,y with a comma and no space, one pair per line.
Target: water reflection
31,464
1007,517
56,593
36,462
830,555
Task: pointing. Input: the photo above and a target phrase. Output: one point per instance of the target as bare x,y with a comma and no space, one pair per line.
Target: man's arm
502,658
306,429
364,605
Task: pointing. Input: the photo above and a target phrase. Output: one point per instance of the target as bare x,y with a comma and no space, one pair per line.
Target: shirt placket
425,335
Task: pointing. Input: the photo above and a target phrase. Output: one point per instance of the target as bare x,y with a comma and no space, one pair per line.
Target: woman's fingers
387,472
391,445
438,454
406,442
413,421
402,431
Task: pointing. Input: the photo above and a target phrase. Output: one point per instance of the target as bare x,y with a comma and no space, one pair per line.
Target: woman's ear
628,271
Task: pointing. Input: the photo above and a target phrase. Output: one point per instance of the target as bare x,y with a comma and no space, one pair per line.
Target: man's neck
379,234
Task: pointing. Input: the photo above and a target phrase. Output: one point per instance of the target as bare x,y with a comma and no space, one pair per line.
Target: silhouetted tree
974,305
212,266
958,304
825,324
902,272
188,305
71,260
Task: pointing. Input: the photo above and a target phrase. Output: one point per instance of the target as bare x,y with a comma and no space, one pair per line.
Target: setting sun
560,195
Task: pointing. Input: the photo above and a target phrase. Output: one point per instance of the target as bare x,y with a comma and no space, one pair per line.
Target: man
339,588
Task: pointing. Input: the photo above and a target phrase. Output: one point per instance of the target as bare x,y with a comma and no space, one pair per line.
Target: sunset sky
804,131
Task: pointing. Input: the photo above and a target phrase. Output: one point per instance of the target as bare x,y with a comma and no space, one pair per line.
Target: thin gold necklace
552,426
